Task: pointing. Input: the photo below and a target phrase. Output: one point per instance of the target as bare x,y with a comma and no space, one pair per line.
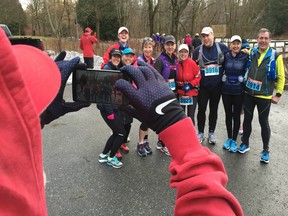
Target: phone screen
97,86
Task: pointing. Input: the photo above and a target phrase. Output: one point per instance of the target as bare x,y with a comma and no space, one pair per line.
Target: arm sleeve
93,39
196,54
224,48
280,75
196,72
198,174
158,65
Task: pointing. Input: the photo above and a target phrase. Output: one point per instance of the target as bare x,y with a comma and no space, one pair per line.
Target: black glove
58,107
153,101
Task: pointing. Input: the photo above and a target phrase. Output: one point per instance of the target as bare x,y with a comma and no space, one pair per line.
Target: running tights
263,107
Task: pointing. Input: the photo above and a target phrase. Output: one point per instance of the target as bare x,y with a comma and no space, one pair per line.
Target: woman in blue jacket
232,90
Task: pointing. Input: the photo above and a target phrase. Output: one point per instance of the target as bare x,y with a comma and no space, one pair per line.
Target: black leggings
89,62
233,107
213,96
191,109
263,107
119,134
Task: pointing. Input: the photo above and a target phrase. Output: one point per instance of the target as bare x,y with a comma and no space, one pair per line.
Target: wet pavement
79,185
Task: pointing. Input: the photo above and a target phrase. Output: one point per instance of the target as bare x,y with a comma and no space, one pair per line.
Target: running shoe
211,138
161,147
114,162
233,146
165,150
103,158
119,155
265,156
124,148
243,148
159,144
141,150
147,147
200,137
227,144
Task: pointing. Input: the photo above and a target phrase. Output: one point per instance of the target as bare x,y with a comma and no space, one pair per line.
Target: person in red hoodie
86,45
30,80
197,173
30,87
187,81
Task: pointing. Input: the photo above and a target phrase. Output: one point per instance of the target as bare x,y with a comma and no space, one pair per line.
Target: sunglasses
148,39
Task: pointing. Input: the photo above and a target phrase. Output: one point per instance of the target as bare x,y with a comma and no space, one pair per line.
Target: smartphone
97,86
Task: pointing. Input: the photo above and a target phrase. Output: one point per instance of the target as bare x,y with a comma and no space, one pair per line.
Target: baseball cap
236,37
88,29
170,38
197,34
183,46
34,70
207,30
123,28
127,51
115,52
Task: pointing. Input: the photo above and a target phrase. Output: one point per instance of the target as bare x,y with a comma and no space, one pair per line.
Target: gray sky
24,3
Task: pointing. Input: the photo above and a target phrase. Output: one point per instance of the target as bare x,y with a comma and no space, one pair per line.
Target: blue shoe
265,156
233,146
103,158
227,144
243,148
114,162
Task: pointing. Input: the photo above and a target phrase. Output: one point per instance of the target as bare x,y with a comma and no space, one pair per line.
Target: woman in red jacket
187,81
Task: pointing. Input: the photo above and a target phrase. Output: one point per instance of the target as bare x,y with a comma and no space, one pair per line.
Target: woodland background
65,20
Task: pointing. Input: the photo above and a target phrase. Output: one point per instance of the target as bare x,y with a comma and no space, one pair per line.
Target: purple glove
153,102
59,107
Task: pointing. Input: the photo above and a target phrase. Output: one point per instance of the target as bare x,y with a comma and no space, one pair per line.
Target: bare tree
178,7
56,10
152,9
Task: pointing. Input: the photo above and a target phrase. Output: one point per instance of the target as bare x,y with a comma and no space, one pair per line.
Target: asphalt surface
78,185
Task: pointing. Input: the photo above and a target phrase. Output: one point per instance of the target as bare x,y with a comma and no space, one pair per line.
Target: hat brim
40,73
169,41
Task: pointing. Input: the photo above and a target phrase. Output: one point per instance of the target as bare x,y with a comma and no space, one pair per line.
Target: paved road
79,186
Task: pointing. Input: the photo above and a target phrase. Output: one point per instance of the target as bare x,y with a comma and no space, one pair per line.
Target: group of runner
213,71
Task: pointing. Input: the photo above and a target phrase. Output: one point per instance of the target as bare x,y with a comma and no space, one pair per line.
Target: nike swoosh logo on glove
159,108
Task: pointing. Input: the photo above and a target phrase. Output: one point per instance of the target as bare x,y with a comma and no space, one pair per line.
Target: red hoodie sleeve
198,174
93,39
21,172
197,74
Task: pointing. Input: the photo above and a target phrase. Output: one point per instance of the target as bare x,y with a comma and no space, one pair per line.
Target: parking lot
79,185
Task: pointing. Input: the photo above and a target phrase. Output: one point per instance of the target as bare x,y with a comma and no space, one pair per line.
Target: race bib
211,70
253,84
171,83
185,100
